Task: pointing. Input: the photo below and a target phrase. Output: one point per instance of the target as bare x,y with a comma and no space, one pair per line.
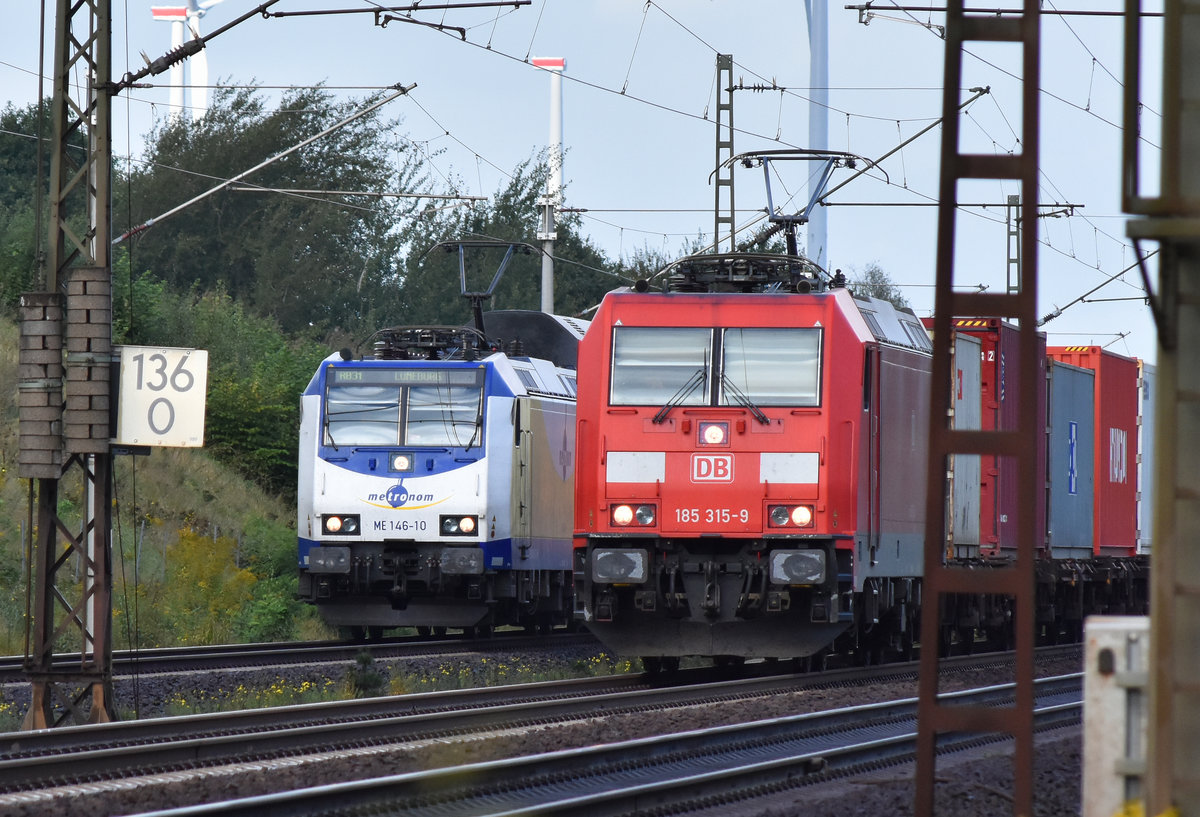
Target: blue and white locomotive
436,478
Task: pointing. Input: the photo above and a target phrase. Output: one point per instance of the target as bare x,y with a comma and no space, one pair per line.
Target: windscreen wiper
741,399
684,392
478,424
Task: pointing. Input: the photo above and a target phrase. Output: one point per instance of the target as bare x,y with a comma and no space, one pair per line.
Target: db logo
712,468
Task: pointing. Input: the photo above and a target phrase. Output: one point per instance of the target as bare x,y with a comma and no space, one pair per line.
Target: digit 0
153,411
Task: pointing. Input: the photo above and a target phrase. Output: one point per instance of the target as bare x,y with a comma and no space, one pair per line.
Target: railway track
180,659
156,753
666,773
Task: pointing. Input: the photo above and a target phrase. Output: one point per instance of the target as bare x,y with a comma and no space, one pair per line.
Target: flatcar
752,440
436,478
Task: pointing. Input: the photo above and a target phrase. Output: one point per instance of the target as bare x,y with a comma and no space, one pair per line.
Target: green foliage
313,263
255,374
268,616
137,304
432,277
207,590
268,283
12,603
365,679
18,267
21,235
269,548
281,692
872,281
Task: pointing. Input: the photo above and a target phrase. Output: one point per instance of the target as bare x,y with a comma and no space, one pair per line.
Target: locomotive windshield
673,365
772,367
653,364
388,407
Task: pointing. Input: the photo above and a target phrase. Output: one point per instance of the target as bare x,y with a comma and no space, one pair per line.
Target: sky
639,122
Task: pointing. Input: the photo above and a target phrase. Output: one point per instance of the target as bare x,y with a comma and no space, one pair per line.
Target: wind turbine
178,17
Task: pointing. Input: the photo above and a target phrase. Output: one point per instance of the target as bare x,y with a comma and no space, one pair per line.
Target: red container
1116,445
1001,401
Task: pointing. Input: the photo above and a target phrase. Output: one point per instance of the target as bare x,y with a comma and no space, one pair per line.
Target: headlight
714,433
619,565
457,525
329,560
798,566
456,561
795,516
401,462
625,515
340,524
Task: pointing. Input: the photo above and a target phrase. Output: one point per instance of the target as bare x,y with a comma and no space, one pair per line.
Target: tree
315,263
255,372
873,282
431,290
21,236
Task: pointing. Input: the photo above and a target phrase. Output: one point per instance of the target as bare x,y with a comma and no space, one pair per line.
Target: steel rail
660,773
30,760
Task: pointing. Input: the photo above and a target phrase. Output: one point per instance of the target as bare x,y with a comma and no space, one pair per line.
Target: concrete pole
818,116
550,202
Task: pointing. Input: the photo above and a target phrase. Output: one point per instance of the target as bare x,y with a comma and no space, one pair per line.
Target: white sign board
162,396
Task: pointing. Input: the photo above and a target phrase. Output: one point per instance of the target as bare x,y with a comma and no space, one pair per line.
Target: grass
498,672
366,679
279,693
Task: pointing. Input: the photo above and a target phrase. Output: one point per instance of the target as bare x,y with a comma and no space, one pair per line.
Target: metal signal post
64,399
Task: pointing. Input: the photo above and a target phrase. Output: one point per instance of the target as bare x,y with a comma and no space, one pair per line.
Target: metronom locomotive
752,442
436,478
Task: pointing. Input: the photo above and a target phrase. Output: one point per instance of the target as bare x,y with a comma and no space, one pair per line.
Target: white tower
178,17
553,197
818,118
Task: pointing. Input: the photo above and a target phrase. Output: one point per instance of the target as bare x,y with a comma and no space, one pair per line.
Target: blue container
1070,459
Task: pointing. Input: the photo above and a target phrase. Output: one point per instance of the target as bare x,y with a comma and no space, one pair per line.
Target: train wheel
1000,639
439,631
424,631
946,642
812,663
353,633
483,631
907,643
652,664
374,633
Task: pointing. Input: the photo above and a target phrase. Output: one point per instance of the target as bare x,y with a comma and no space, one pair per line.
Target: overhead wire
481,158
1044,240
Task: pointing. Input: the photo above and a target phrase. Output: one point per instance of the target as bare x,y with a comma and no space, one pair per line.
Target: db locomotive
436,478
752,440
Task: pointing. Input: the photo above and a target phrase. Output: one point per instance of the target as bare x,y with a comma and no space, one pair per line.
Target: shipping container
1000,410
1071,454
1145,460
964,527
1114,518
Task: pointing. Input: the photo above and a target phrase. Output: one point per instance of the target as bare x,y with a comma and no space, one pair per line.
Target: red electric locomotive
733,433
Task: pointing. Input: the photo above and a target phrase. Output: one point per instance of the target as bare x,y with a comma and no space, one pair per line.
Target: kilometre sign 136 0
162,396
